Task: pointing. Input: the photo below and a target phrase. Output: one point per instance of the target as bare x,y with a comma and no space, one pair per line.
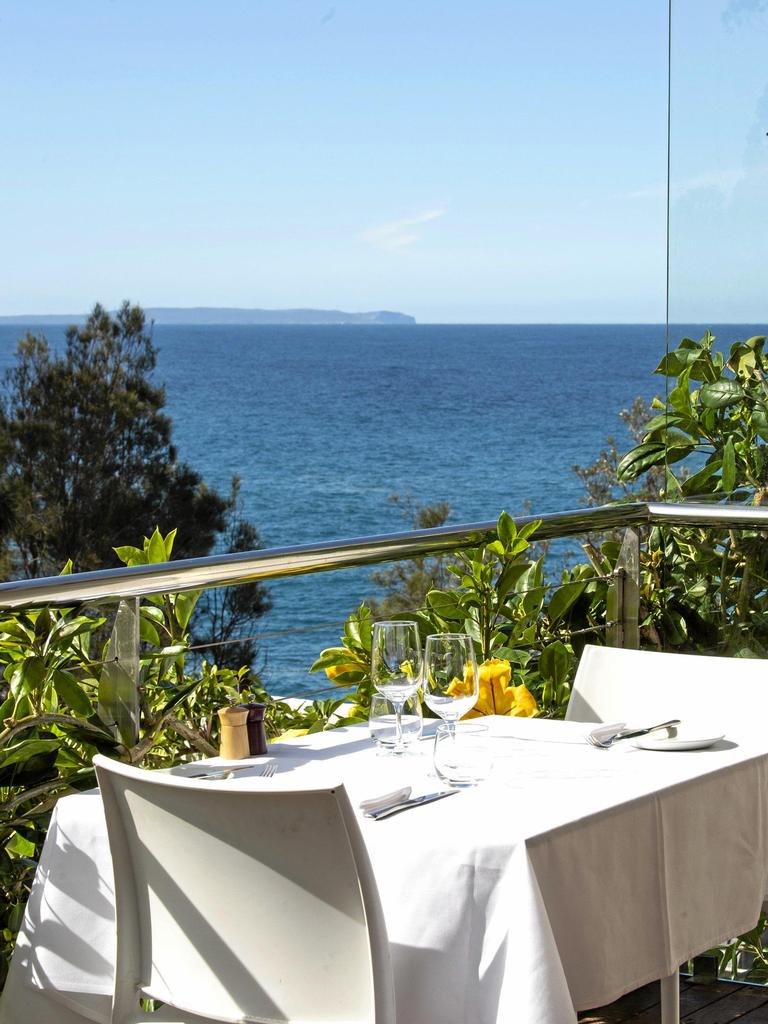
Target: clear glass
383,727
718,194
451,684
396,665
462,753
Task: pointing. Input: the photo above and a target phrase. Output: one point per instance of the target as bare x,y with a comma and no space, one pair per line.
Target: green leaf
156,548
148,633
333,656
641,458
172,651
506,529
680,398
760,420
184,605
511,572
18,846
130,555
527,531
563,599
182,694
672,365
445,603
697,484
26,749
168,544
720,393
357,628
703,369
555,663
76,627
729,466
675,627
10,627
28,675
149,611
69,691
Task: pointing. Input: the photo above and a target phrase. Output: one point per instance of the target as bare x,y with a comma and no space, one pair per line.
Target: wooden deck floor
700,1003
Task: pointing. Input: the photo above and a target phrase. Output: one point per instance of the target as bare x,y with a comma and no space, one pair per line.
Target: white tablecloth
570,877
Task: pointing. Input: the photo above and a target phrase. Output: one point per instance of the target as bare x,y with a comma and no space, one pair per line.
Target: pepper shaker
257,733
234,733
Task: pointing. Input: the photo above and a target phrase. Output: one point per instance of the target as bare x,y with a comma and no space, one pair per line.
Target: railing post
119,683
623,605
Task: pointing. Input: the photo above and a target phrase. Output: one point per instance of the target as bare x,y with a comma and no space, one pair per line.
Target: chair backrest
243,904
638,687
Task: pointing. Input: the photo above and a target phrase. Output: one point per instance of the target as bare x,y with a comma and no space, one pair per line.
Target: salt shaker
234,733
257,734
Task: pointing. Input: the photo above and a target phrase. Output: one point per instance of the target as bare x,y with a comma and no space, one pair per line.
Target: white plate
683,741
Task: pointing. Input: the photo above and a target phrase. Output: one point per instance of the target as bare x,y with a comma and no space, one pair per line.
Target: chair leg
670,999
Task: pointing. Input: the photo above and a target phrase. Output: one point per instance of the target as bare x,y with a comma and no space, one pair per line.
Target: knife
404,805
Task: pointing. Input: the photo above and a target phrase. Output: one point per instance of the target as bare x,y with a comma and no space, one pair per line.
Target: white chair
242,905
643,687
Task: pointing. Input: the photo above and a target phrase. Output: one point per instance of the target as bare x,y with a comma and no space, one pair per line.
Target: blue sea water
323,424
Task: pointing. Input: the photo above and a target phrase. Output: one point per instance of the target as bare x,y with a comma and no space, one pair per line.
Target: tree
89,460
225,615
406,584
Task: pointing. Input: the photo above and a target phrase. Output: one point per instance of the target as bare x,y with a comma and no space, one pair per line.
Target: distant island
229,315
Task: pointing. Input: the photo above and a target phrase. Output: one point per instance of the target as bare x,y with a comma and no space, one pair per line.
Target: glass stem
399,745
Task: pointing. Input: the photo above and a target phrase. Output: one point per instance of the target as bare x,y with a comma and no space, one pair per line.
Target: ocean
322,424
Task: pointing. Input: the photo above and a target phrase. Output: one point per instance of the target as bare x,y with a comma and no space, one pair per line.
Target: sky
500,161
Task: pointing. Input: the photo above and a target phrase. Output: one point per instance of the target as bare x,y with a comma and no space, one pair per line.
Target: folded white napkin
607,732
375,802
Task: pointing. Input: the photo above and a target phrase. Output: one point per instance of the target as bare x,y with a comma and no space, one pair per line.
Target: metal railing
128,585
273,563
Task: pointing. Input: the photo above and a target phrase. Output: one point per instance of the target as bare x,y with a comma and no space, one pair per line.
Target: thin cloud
725,181
399,234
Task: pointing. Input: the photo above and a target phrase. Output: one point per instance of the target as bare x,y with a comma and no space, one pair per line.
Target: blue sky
485,162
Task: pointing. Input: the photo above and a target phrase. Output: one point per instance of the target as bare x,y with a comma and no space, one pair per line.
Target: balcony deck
700,1003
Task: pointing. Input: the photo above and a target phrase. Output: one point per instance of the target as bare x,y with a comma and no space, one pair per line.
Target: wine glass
451,684
381,722
396,667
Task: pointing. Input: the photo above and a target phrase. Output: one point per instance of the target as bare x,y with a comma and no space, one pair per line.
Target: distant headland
228,315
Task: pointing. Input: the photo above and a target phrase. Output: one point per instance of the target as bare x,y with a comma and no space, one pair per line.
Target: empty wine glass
451,684
396,667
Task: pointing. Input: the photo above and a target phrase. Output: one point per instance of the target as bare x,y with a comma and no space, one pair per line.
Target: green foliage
89,462
88,451
502,600
703,589
58,691
717,410
745,958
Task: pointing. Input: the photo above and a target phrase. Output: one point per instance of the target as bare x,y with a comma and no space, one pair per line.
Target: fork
606,744
260,772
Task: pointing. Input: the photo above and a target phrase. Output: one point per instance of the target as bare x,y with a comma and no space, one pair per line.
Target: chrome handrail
106,585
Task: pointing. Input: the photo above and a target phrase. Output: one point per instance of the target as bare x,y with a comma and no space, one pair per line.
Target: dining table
567,878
